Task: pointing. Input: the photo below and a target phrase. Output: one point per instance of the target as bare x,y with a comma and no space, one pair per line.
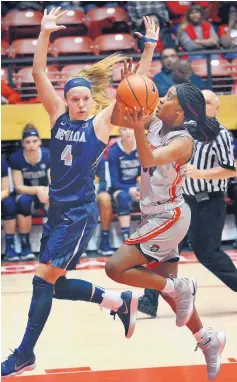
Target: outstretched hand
49,21
152,32
128,69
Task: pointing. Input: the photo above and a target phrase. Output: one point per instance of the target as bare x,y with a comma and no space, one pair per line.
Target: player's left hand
138,120
43,194
193,172
152,32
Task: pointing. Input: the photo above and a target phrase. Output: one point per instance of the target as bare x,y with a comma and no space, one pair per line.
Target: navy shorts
67,233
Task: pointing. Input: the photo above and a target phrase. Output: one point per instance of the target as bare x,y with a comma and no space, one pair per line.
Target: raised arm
112,116
179,149
52,103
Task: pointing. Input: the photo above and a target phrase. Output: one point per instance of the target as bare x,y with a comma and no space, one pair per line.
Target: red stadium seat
22,24
219,68
4,75
72,45
154,68
114,13
71,70
114,42
234,88
75,23
178,8
104,19
111,91
234,68
4,48
24,76
25,46
60,93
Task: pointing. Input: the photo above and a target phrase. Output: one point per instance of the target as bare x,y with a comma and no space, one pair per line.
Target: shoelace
198,344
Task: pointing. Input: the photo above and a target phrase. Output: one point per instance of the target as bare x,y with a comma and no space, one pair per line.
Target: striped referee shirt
206,156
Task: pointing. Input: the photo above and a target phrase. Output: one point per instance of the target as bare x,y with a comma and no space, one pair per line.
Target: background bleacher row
80,42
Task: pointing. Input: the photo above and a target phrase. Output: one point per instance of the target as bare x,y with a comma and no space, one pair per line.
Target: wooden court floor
81,343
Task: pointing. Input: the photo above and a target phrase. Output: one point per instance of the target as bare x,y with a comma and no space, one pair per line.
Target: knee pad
9,208
23,205
59,287
123,203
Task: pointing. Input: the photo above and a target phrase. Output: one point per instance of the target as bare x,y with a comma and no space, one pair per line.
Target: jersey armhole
57,120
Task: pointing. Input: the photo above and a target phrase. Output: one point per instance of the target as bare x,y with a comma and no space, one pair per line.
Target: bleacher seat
4,48
25,46
107,19
24,76
219,67
115,42
75,22
101,13
222,29
71,70
60,93
111,91
21,24
72,45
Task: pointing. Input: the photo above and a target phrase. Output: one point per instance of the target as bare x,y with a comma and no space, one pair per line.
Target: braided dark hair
192,101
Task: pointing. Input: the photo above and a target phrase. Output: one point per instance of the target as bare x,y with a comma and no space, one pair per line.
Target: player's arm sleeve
224,150
114,172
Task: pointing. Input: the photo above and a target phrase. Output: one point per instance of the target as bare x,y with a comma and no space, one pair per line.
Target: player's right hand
49,21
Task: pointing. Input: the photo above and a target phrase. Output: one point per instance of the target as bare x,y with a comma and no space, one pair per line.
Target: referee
204,191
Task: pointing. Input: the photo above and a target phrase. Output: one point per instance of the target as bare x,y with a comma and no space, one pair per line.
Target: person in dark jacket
168,75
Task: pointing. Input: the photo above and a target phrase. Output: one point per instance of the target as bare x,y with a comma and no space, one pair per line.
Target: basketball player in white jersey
164,154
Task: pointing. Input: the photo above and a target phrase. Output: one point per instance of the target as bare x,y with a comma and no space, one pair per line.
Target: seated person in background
229,36
166,78
30,173
105,207
8,214
195,33
124,167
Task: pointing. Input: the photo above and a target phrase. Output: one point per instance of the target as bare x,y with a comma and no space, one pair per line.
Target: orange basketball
137,91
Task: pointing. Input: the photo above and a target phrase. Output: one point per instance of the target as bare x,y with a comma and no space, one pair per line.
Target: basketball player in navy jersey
78,141
8,213
30,173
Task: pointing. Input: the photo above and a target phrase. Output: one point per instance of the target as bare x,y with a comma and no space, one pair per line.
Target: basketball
137,91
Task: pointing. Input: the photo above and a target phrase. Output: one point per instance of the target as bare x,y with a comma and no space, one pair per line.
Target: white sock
169,287
111,300
200,334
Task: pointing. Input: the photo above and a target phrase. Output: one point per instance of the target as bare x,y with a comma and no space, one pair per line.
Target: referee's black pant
207,223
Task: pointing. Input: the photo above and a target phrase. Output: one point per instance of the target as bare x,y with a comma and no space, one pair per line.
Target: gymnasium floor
80,343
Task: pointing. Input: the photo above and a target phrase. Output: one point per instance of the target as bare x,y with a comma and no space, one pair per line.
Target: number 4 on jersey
66,155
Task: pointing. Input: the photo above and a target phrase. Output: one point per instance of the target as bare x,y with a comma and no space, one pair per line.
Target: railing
218,73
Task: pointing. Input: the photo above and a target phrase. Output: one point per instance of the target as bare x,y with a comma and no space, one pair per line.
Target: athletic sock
81,290
200,334
105,236
40,308
169,287
9,241
125,233
25,242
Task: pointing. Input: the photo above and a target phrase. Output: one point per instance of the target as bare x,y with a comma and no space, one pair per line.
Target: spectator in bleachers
228,37
124,167
30,172
8,213
159,12
174,71
105,207
196,34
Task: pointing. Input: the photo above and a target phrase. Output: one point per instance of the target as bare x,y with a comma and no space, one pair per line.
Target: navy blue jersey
75,154
100,172
33,175
124,168
4,168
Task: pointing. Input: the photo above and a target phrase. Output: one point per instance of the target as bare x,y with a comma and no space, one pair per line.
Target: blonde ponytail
100,75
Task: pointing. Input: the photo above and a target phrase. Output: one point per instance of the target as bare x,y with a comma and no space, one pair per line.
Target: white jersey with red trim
161,186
